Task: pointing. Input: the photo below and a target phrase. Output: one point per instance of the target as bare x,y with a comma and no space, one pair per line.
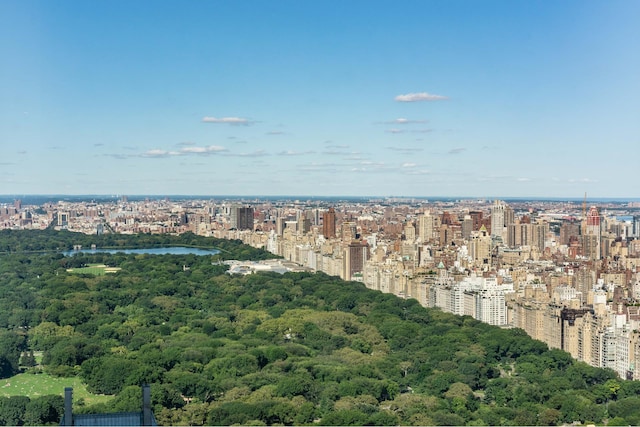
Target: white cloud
202,150
523,179
294,153
409,165
227,120
257,153
184,151
394,131
370,163
156,153
339,153
419,96
403,121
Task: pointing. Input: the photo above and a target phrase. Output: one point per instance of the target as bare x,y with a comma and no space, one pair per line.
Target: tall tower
241,218
356,255
425,227
591,235
467,227
480,248
497,219
636,226
476,216
509,216
409,232
329,224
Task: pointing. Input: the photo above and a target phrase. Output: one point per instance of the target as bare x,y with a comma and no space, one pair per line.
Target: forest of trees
263,349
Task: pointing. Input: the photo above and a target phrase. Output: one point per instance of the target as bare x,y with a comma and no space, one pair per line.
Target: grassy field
95,269
34,385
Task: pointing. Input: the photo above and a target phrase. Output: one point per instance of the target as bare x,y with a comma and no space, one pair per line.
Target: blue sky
404,98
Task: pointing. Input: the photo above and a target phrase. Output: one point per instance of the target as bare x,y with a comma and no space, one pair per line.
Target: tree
348,417
108,374
12,410
44,410
11,346
28,359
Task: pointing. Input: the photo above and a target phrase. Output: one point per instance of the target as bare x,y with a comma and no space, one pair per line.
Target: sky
446,98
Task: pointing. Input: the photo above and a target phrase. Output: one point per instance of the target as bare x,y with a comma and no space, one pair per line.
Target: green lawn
95,269
34,385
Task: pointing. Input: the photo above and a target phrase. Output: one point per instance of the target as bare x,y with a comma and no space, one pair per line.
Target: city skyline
460,98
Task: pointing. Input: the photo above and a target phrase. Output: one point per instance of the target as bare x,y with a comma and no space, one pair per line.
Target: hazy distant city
567,272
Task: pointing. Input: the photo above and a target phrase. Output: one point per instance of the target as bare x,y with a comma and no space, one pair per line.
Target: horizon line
308,196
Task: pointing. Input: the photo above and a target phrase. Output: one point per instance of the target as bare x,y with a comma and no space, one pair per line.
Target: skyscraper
467,227
356,255
591,235
242,218
497,219
636,226
425,227
329,223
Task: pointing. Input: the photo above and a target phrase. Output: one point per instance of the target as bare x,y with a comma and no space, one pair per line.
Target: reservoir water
172,250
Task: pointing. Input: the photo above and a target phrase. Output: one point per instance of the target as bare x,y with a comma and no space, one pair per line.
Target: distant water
172,250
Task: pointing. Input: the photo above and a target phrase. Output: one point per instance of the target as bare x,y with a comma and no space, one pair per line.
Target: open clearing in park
35,385
95,269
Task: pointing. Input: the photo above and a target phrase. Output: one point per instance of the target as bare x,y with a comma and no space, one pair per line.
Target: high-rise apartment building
63,219
636,226
409,232
356,255
426,227
348,231
568,229
497,220
480,248
467,227
591,235
509,216
280,225
241,218
304,224
329,223
476,217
